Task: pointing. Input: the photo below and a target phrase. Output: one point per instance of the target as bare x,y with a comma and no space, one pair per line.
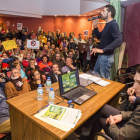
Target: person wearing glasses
36,79
17,85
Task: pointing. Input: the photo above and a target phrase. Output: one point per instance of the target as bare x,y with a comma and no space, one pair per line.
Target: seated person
4,115
54,73
68,66
45,49
45,64
31,67
25,62
16,86
36,79
64,43
16,60
31,52
119,124
49,55
39,56
72,55
18,54
17,66
57,51
52,48
58,60
65,52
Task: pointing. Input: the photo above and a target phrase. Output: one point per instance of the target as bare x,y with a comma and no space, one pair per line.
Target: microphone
94,18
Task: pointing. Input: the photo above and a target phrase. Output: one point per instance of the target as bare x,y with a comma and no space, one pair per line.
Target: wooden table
23,106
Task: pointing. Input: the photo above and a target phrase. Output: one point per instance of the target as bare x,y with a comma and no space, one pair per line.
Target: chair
102,135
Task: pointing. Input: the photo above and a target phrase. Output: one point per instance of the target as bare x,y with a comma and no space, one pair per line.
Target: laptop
84,47
70,89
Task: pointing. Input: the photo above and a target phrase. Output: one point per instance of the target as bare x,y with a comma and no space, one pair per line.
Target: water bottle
51,98
39,92
48,84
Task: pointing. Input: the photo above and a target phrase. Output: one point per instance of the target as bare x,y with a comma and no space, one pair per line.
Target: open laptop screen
68,81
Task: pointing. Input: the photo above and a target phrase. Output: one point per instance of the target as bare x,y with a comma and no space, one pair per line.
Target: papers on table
95,79
61,117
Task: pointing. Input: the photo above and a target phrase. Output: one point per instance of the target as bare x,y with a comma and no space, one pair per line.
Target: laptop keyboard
76,94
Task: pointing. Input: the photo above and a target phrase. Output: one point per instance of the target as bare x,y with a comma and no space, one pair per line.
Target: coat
4,108
10,90
131,129
52,77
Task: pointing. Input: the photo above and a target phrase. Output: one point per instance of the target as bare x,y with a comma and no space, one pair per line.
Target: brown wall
51,23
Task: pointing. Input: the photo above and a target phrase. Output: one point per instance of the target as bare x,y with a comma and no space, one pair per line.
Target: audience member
54,73
36,79
45,64
65,52
73,57
58,60
16,86
68,66
18,54
45,50
4,115
17,66
39,56
31,67
72,45
57,51
25,62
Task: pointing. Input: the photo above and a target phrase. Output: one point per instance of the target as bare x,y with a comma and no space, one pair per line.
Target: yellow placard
42,39
9,44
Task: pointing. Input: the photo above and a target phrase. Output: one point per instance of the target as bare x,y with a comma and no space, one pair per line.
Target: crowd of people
23,69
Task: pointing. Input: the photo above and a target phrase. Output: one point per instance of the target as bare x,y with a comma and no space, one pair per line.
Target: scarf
17,83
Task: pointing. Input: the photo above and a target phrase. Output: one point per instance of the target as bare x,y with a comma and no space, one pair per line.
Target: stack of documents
95,79
61,117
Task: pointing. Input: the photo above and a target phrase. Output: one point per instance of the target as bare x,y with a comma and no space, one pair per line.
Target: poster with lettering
33,44
9,44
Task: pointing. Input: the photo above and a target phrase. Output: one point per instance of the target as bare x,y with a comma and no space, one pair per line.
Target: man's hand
71,66
130,91
95,50
2,74
95,22
32,66
131,99
58,72
116,119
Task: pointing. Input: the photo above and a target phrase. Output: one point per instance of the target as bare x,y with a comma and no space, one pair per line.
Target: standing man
110,40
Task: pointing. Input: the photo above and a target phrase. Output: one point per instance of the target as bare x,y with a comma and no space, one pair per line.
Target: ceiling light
90,13
67,15
79,15
98,11
55,15
85,15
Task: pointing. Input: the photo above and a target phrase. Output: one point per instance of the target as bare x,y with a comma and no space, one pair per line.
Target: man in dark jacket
54,73
4,114
58,60
33,66
119,125
72,45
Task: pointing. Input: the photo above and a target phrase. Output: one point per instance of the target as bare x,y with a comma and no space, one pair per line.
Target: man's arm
131,128
117,39
97,33
8,90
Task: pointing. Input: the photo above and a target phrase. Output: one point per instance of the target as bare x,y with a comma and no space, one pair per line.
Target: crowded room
69,70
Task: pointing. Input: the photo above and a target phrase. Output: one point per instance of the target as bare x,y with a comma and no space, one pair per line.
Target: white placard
33,44
19,26
85,32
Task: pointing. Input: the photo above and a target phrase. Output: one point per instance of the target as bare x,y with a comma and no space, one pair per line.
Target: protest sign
9,44
32,44
42,39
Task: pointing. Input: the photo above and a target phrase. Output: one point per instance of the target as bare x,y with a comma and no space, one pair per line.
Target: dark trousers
98,121
85,63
